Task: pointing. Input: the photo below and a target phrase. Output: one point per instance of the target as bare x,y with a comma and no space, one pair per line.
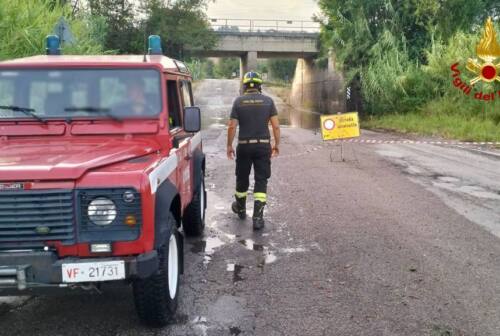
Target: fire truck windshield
86,93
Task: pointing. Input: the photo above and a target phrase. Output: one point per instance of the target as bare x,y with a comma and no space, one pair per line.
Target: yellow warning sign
340,126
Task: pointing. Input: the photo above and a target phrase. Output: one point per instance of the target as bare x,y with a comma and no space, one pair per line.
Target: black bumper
21,271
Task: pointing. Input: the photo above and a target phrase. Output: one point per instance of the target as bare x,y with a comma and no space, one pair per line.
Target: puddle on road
269,258
9,303
265,257
234,331
263,253
469,194
391,154
249,244
200,325
448,179
479,192
236,269
290,250
455,185
199,319
207,246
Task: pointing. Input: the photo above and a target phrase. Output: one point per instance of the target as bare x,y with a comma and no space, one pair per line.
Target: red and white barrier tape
411,142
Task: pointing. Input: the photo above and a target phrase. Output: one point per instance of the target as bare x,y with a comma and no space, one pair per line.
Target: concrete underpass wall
315,91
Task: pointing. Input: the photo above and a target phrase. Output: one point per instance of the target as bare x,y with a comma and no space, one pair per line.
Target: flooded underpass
217,107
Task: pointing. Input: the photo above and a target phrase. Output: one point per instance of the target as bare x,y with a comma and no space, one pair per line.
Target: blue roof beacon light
53,45
155,45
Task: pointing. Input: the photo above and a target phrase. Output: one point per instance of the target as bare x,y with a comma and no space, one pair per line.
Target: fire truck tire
156,297
194,215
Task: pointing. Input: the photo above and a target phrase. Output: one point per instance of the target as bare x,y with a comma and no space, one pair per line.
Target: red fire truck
101,174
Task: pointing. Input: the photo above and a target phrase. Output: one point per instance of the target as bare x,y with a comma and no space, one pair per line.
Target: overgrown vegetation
399,54
227,67
281,70
179,23
25,24
113,26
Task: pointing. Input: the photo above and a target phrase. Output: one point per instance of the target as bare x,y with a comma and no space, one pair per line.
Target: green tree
201,68
208,68
352,28
25,24
282,69
262,66
179,23
227,67
122,34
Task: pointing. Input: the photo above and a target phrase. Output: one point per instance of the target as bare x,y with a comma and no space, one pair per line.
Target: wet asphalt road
395,240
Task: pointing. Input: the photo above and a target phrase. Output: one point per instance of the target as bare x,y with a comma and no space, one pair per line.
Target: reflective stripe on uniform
262,197
241,194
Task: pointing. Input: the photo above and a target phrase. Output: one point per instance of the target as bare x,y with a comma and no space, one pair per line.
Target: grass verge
458,127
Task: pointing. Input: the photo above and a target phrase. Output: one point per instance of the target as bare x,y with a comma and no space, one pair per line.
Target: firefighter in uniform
253,112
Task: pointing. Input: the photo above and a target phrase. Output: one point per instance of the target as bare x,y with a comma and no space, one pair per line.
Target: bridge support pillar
316,89
248,62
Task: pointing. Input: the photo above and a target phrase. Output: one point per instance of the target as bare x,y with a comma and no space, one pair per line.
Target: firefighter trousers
259,156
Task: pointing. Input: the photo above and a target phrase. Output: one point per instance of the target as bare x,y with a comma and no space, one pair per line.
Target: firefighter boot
258,215
239,207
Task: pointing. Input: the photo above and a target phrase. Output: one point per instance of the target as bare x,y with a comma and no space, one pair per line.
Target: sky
263,9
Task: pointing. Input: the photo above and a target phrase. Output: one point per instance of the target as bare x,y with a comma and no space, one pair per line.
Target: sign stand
332,153
343,153
339,127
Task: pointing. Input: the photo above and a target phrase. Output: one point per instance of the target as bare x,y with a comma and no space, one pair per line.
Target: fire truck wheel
194,215
156,297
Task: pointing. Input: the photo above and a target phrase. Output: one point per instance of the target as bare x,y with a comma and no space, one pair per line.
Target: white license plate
94,271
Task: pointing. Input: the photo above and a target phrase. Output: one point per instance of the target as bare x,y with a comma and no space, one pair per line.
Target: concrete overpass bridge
319,89
253,39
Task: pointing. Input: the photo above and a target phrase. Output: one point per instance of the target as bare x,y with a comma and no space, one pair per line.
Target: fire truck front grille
29,218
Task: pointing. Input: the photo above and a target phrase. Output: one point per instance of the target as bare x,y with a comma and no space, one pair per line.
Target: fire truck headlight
102,211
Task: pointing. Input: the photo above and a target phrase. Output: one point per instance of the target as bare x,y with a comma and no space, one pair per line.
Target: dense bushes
393,83
114,26
401,52
25,24
409,97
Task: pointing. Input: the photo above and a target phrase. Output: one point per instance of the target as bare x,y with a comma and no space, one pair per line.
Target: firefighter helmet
252,77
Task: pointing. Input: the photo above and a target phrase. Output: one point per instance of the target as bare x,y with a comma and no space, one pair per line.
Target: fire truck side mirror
192,119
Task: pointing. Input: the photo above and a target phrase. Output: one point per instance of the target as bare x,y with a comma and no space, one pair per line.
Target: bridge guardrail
238,26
